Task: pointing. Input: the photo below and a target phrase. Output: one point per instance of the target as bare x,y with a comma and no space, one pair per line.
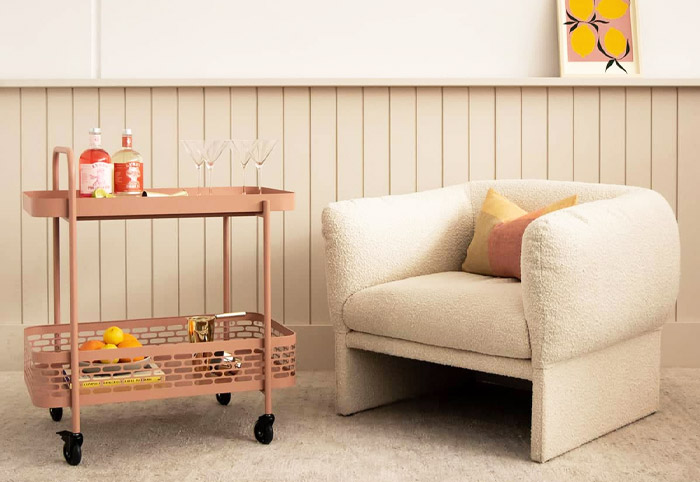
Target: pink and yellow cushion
498,236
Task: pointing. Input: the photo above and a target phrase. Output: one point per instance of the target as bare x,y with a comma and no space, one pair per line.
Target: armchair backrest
533,194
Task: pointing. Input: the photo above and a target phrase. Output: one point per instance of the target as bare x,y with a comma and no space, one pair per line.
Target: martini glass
242,151
212,151
259,153
195,149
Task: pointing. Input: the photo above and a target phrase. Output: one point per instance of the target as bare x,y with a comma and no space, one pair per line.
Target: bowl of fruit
113,338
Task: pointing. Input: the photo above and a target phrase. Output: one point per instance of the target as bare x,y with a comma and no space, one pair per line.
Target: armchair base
578,400
365,379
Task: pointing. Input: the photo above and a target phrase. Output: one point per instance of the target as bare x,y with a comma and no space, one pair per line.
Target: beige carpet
480,433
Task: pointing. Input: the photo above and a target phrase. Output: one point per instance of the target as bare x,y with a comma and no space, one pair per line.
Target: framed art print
598,37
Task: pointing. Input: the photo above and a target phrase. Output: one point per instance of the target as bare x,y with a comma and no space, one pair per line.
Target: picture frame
598,38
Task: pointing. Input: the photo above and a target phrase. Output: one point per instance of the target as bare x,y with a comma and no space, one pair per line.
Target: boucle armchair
598,281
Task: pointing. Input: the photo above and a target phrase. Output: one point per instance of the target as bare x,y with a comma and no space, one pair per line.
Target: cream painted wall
313,38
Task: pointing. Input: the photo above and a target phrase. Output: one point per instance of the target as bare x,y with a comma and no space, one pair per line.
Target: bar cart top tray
229,201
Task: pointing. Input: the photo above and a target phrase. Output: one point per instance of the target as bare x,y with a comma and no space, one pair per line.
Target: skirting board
680,346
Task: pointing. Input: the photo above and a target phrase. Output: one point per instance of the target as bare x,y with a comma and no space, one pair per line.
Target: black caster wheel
263,428
223,398
72,446
56,414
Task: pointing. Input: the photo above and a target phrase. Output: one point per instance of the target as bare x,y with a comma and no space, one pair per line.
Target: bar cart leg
227,266
225,398
57,412
263,427
73,440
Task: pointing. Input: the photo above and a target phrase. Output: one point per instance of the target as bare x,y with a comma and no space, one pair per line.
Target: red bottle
96,170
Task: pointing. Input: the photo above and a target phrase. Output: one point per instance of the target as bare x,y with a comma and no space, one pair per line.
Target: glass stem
199,180
209,169
244,179
259,180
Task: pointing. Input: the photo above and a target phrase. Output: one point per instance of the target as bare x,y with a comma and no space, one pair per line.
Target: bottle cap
126,132
95,130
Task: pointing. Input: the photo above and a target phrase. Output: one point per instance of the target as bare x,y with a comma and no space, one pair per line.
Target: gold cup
200,330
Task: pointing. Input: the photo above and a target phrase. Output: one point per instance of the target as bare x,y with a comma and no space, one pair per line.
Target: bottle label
128,177
96,176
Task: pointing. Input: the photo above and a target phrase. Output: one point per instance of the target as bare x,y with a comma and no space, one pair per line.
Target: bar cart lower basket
167,365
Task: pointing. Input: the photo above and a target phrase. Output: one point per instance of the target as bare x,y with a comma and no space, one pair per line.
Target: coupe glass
259,153
212,151
196,151
242,151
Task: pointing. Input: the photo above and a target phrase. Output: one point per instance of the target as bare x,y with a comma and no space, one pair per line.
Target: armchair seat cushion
454,309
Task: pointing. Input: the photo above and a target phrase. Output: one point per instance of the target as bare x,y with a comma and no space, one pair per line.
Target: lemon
113,335
615,42
583,40
581,9
612,9
109,346
99,193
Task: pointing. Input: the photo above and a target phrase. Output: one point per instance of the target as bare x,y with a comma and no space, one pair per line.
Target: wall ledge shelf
361,82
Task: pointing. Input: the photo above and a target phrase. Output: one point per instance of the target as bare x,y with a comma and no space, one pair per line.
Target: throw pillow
498,235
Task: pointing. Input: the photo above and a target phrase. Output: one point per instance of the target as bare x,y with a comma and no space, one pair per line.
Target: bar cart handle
57,151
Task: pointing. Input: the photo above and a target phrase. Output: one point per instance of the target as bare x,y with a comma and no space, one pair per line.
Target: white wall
313,38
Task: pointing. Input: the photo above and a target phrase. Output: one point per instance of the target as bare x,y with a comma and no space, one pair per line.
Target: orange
113,335
129,336
130,344
91,345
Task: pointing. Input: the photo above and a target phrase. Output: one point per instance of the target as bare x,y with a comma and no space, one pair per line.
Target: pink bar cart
249,351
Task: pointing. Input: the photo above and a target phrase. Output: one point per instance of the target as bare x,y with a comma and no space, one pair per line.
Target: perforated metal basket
173,366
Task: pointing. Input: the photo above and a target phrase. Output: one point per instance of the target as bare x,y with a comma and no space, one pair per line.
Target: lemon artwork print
599,31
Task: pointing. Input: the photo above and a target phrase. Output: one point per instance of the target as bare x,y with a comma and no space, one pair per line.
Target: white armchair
598,281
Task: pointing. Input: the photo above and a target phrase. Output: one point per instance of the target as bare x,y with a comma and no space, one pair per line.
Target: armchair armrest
376,240
599,273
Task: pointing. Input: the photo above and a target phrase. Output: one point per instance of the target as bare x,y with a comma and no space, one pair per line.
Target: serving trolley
249,351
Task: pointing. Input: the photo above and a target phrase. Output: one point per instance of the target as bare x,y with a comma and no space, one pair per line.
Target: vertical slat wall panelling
664,147
612,135
689,202
323,185
455,135
482,133
191,231
35,285
534,133
217,125
508,111
139,239
165,172
86,114
561,135
297,223
586,134
428,138
11,198
244,239
112,233
402,138
638,158
376,141
350,146
59,132
271,126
